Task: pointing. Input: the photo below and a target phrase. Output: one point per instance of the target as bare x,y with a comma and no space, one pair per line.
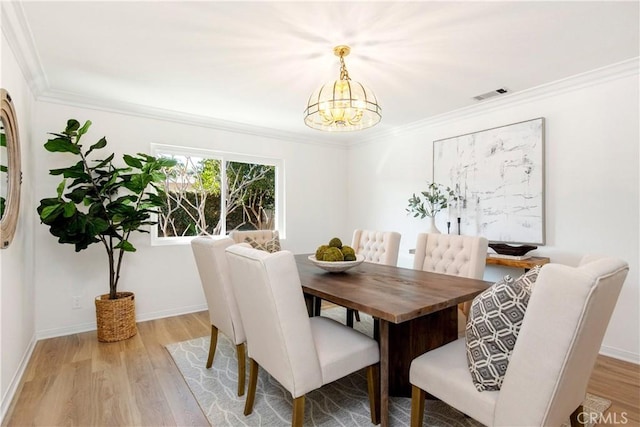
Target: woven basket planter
116,318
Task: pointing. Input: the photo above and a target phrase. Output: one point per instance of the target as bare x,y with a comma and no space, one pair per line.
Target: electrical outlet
75,302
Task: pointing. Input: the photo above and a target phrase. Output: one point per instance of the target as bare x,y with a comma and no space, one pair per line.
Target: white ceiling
256,63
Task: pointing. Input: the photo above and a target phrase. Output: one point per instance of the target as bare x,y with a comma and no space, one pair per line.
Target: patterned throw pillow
494,323
272,245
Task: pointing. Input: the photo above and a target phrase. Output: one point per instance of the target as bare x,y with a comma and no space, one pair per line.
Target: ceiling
256,63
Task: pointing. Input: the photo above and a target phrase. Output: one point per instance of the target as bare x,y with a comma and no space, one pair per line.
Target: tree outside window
198,203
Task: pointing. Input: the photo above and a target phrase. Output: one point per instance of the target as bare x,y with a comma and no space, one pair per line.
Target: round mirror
10,174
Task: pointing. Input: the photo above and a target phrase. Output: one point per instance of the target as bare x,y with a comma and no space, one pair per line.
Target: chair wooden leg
212,346
575,418
253,383
242,367
465,308
297,418
373,387
417,406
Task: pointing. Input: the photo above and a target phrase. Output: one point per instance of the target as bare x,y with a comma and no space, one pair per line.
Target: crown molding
131,109
20,40
590,78
580,81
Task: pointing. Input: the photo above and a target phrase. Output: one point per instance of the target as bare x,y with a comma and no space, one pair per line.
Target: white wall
17,329
592,139
164,278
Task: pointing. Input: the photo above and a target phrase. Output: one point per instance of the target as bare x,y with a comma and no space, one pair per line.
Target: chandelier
343,105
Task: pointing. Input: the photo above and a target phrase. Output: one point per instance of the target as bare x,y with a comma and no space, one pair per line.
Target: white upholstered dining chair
379,247
301,353
213,269
547,374
463,256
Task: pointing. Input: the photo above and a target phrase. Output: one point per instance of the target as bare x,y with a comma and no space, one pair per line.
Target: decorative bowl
336,266
512,250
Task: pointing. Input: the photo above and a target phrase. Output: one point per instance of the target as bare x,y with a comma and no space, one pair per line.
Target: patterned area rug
341,403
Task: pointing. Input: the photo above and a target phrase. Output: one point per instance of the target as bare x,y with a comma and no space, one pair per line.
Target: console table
527,263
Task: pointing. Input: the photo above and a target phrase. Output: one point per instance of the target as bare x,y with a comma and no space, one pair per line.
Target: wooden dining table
416,311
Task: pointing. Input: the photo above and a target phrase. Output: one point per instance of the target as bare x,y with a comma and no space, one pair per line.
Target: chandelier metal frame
343,105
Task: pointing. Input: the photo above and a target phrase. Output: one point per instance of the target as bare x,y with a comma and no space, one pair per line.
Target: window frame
224,157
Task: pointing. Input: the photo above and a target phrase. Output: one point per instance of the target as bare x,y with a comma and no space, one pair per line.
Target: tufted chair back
260,236
266,240
463,256
380,247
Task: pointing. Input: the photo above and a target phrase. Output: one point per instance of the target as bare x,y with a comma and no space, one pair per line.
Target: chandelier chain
344,74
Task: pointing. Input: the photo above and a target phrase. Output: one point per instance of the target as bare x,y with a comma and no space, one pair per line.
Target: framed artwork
498,176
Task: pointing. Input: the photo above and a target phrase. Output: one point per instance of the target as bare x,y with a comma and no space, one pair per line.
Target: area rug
341,403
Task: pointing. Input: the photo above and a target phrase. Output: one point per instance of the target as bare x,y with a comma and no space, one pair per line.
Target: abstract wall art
498,175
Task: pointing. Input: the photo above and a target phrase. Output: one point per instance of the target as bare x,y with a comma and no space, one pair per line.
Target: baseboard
91,326
169,313
617,353
68,330
15,381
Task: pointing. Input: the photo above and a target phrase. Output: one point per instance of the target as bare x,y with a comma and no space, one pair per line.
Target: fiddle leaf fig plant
97,202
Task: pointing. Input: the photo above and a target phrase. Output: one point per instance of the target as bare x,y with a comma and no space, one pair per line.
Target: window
210,192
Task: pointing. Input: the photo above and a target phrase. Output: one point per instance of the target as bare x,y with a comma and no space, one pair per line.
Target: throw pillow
272,245
494,323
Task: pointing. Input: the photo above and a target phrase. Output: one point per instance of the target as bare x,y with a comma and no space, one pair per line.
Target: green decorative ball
349,253
332,254
320,251
348,250
349,257
335,243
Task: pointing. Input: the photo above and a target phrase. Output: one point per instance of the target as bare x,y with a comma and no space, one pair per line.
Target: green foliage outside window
194,197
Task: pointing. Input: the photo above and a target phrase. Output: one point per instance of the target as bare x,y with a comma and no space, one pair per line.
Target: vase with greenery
98,202
429,202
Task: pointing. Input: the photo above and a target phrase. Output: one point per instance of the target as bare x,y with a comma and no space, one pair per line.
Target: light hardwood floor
75,380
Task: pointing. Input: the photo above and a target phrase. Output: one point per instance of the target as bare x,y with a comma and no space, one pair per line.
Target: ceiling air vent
499,91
